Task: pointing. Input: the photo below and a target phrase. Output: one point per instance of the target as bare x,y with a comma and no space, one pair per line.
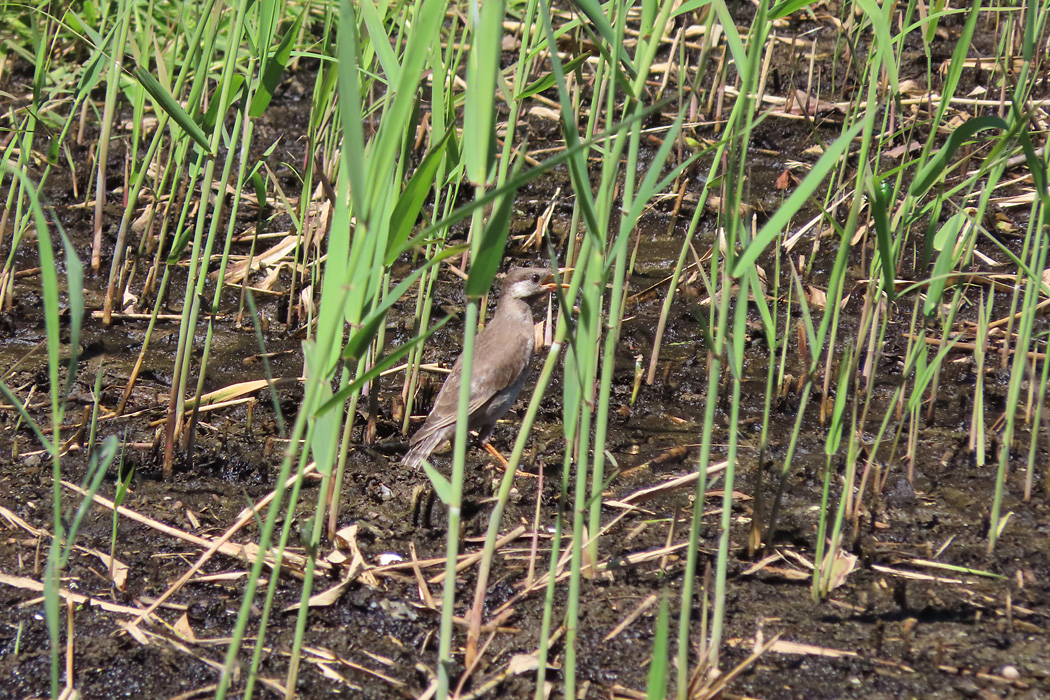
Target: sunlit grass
413,159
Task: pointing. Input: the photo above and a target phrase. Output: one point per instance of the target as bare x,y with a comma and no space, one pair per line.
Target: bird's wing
501,353
496,371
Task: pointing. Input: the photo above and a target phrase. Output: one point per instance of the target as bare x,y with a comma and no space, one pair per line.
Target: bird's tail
422,449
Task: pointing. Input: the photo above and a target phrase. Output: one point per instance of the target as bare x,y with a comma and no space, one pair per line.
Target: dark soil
897,628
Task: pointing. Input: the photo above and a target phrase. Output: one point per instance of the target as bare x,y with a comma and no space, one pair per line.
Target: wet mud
897,627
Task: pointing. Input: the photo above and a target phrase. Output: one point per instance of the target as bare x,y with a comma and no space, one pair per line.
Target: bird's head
528,282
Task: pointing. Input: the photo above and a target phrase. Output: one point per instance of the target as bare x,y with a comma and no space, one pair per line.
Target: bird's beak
551,285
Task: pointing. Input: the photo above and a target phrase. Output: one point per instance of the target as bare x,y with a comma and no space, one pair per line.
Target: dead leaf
818,297
522,663
803,103
897,151
137,634
236,272
545,113
183,629
118,570
69,693
759,565
139,224
911,88
859,234
325,598
783,646
842,566
789,574
346,539
590,568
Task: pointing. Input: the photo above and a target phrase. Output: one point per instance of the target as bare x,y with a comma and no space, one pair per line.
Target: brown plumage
502,354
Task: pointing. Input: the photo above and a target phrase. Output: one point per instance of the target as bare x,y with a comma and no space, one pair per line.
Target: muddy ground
896,628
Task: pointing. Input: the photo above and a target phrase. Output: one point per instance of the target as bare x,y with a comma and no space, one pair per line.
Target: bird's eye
535,279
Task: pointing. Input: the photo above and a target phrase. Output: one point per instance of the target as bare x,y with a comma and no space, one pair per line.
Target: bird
502,355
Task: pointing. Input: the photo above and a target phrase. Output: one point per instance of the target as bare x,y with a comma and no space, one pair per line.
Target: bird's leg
484,440
496,454
484,435
422,505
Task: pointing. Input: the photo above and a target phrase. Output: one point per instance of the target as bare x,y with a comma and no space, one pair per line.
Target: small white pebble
389,558
1010,673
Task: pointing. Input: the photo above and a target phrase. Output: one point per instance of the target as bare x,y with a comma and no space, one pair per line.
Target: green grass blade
656,687
489,256
933,171
378,368
274,69
733,40
360,339
33,425
881,21
350,101
442,486
593,11
772,228
945,242
75,290
409,204
171,107
425,32
787,7
548,81
380,41
98,467
479,113
880,207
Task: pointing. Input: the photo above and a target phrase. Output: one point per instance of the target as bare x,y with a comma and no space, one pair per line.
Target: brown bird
502,354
